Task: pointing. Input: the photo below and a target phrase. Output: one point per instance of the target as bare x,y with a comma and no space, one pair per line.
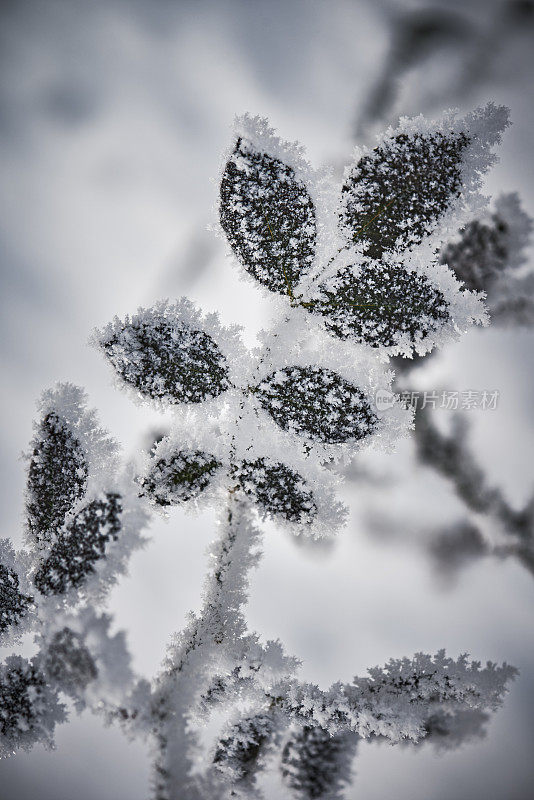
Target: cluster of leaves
75,513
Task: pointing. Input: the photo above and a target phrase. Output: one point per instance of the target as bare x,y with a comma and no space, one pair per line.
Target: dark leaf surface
79,546
268,217
57,477
28,707
278,489
318,403
13,604
379,304
179,478
395,195
240,750
167,360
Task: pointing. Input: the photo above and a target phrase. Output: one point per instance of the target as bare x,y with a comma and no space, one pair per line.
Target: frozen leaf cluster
83,521
361,260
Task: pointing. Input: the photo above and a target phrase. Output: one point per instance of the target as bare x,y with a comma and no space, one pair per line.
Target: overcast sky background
113,117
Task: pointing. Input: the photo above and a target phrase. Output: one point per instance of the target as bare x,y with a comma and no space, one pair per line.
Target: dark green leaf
79,546
57,477
13,604
268,217
318,403
395,195
168,360
180,477
278,489
379,304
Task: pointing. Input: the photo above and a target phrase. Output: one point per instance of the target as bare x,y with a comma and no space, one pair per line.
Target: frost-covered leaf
419,179
316,765
29,707
81,658
179,477
278,489
79,546
166,355
318,403
14,604
68,663
393,196
57,477
379,303
268,217
237,753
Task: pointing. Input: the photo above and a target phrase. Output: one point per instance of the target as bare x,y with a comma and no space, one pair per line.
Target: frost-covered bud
268,217
277,489
57,477
318,403
316,764
237,754
179,477
13,603
379,303
68,663
79,545
393,196
29,707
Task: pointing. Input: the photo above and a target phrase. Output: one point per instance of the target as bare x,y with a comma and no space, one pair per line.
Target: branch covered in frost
374,277
396,701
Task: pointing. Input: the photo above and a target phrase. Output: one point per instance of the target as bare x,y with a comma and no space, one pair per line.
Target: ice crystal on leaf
394,196
29,706
237,753
277,488
380,302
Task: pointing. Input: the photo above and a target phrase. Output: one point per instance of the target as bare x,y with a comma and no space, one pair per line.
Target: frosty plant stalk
354,277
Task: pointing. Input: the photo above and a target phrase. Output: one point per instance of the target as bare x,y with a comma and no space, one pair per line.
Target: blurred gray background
113,117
